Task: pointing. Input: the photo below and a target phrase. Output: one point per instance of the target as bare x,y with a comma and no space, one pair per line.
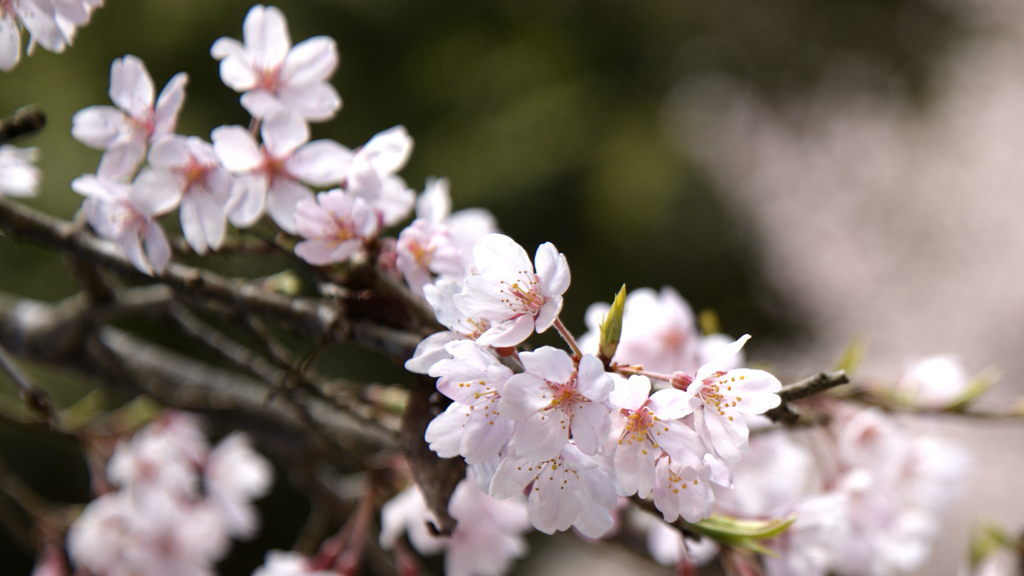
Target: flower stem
568,337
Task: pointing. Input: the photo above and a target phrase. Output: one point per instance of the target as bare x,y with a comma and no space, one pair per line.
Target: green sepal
852,355
611,327
976,387
741,533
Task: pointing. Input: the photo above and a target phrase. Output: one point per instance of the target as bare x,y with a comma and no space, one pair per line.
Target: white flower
720,399
373,175
39,18
273,74
571,489
810,546
267,176
424,248
187,170
19,177
233,476
935,381
508,293
280,563
552,400
484,542
466,227
644,427
334,227
681,490
115,212
125,131
473,425
441,297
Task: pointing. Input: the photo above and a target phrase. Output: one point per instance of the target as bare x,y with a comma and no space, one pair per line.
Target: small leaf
986,541
284,282
852,356
611,327
975,388
708,322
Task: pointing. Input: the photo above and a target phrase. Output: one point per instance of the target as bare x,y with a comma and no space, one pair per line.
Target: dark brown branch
787,414
36,398
24,121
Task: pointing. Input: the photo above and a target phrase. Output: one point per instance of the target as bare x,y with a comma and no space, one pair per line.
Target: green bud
284,282
611,328
743,533
976,387
852,356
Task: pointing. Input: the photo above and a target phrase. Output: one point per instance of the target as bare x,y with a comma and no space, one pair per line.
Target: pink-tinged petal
634,467
171,151
445,431
262,103
498,256
363,180
131,245
552,269
39,19
590,425
90,185
131,88
592,381
122,158
388,151
265,31
510,333
430,351
680,442
236,149
210,211
10,43
630,394
523,395
156,192
248,197
720,473
316,102
165,117
312,60
729,437
98,126
435,203
486,433
670,404
324,252
395,202
594,521
548,313
723,360
283,132
551,364
282,197
158,250
542,435
227,47
191,226
236,70
320,163
512,475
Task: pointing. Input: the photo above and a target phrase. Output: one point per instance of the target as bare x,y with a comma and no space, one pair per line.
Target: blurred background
811,170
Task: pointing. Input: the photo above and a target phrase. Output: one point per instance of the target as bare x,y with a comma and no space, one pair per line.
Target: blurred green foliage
547,112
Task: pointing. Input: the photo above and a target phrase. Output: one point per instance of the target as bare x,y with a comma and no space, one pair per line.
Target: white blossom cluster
176,506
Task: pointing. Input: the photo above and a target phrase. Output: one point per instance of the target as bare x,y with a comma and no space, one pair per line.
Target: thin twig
787,414
24,121
37,398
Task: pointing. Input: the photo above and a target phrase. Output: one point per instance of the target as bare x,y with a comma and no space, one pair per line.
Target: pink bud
681,381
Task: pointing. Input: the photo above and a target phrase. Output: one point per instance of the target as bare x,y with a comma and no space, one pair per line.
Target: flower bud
681,380
611,328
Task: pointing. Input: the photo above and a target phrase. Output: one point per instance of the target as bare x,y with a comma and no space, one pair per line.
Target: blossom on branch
19,176
334,226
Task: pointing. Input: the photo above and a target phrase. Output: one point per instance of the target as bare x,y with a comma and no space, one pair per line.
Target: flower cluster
169,478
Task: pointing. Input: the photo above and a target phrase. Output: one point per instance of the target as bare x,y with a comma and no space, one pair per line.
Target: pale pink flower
721,398
425,248
187,170
644,427
465,227
431,349
234,474
811,545
473,425
280,563
273,74
553,399
39,18
334,227
508,293
115,212
373,175
19,176
934,381
681,490
124,132
571,489
666,544
268,176
485,541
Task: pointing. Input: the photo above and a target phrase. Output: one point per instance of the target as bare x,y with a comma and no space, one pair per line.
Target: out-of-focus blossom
273,74
124,132
280,563
19,176
334,226
268,176
507,292
426,248
114,211
373,175
935,381
50,23
187,170
466,227
234,476
484,543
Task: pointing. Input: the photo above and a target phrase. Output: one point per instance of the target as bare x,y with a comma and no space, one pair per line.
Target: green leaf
852,356
986,541
708,322
976,387
611,327
743,533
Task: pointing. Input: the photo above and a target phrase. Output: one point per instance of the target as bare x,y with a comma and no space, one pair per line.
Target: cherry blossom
934,381
268,176
441,297
425,248
280,563
644,427
508,293
19,176
720,398
485,541
552,400
465,227
473,425
570,489
681,490
42,21
373,175
274,75
234,476
187,170
124,132
334,226
115,212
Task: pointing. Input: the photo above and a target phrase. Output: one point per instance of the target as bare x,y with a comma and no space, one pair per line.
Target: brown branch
24,121
36,398
787,414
